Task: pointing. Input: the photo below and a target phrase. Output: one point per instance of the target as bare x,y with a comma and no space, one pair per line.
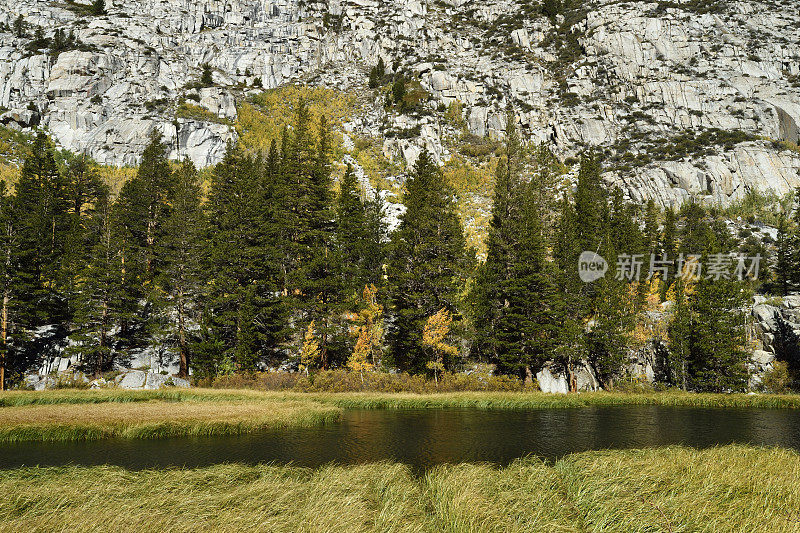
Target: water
423,438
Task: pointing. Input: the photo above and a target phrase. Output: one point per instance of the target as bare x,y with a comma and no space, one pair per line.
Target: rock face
686,98
766,315
138,379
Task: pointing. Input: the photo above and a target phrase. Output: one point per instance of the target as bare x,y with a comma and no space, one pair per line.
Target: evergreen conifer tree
427,262
181,252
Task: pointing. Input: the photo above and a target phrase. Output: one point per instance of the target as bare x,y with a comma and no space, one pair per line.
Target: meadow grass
540,400
675,489
62,415
157,419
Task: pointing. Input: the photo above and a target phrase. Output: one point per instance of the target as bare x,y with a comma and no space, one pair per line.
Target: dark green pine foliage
234,216
359,236
783,257
708,331
244,318
787,347
427,263
673,369
668,247
317,272
514,293
181,256
140,213
100,296
716,360
84,189
10,366
98,8
595,316
41,214
613,298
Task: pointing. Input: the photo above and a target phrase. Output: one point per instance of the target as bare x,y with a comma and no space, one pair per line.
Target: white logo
591,266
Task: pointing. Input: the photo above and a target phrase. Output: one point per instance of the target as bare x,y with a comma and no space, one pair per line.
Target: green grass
675,489
539,400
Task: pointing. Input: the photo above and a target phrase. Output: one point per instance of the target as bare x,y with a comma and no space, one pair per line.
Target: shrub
342,381
70,380
777,380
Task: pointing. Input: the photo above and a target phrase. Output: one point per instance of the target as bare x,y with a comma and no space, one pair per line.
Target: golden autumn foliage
262,119
434,338
310,352
368,330
648,326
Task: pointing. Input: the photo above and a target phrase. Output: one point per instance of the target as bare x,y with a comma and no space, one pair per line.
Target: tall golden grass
727,489
157,419
93,414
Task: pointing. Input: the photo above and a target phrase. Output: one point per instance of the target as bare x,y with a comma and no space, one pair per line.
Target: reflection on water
424,438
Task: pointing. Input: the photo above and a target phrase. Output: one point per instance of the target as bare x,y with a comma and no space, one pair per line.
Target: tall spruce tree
427,263
716,360
244,312
359,232
181,252
317,270
99,303
141,211
7,275
41,214
514,291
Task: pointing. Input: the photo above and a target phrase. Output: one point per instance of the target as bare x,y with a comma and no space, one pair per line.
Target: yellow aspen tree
434,338
310,352
368,332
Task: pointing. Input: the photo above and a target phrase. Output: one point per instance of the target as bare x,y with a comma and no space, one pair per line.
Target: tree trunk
4,348
528,376
573,380
184,355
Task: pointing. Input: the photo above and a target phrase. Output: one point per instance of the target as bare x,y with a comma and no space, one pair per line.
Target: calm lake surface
423,438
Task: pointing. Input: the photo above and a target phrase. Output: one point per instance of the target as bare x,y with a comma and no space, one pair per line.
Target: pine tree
514,291
141,210
783,257
100,292
206,78
233,219
359,232
7,243
716,358
668,248
98,8
247,216
84,189
19,26
40,211
181,253
427,263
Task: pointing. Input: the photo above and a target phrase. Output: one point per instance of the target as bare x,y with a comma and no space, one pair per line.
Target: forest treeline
270,262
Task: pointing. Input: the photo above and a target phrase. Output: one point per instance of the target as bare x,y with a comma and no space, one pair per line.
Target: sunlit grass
726,489
675,489
540,400
62,415
157,418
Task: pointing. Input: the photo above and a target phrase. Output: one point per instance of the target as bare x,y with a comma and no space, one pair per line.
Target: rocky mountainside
686,98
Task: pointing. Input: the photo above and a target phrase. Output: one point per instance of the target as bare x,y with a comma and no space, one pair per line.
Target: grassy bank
733,488
380,400
539,400
63,415
157,418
